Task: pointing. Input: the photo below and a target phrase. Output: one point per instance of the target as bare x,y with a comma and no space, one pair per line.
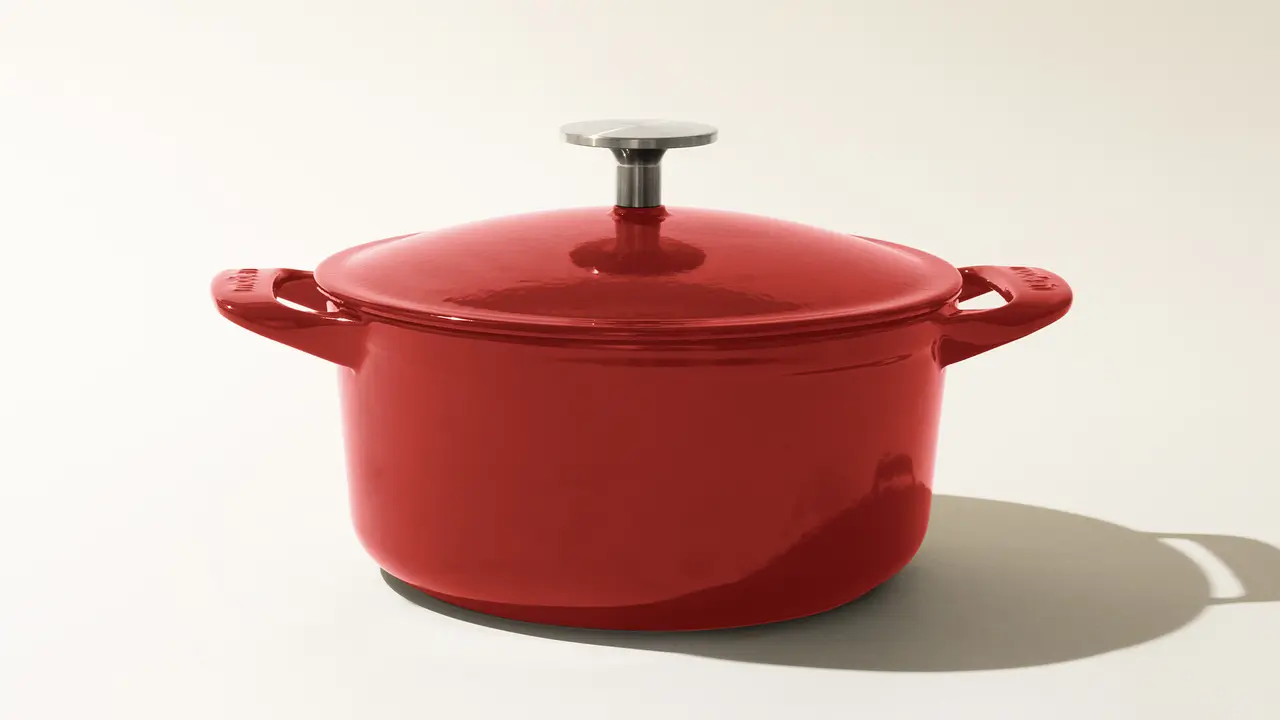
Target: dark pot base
843,561
640,618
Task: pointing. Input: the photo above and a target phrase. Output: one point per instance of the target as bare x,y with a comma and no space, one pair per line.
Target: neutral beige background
172,510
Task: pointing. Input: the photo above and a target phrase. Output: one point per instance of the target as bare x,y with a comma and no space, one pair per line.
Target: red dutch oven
640,417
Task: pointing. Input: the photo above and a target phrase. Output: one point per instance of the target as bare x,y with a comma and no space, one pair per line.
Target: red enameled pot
640,417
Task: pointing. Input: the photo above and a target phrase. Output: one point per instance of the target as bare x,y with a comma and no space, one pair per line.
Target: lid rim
652,332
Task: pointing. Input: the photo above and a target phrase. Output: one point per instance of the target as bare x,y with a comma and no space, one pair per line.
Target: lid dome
637,270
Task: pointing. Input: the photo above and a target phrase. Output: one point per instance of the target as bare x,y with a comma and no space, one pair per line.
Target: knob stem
639,177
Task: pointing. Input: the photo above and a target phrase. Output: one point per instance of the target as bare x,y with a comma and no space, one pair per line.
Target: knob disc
639,134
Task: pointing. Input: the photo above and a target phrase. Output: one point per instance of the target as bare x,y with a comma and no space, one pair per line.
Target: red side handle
251,298
1034,298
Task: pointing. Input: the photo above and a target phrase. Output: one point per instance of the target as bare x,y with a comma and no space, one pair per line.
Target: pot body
646,486
645,489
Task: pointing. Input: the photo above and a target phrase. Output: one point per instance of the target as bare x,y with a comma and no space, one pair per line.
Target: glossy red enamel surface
710,483
546,476
648,272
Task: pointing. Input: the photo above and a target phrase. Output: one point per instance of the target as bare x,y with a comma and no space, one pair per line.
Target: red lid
648,272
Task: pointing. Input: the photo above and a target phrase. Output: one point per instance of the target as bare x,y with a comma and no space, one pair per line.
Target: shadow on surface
996,585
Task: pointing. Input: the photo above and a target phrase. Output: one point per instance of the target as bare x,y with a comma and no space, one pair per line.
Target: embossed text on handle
1035,280
244,280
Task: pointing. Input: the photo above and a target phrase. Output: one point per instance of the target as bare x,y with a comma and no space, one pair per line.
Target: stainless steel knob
639,146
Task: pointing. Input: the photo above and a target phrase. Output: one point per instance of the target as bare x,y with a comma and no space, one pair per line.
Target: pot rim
631,334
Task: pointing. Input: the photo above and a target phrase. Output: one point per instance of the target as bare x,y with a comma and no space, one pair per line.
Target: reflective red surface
676,272
688,482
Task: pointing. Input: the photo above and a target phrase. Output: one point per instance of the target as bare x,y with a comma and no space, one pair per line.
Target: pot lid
638,269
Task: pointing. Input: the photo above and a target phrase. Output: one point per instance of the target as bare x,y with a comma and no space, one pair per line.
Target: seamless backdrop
173,526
